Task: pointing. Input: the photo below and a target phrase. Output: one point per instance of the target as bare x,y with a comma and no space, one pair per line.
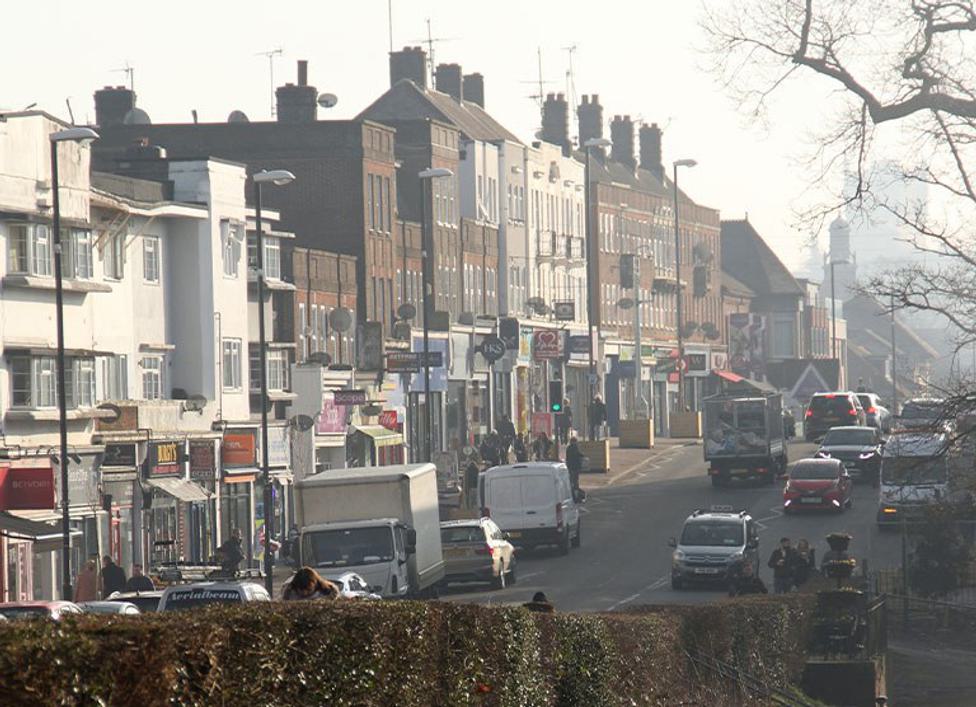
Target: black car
858,448
828,410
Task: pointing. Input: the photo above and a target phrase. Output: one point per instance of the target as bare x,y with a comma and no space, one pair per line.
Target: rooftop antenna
271,54
130,73
430,41
71,113
571,84
389,19
540,96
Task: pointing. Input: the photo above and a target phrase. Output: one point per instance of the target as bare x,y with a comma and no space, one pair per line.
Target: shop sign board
388,419
547,344
26,488
164,459
579,344
348,398
541,423
123,454
332,418
238,449
278,446
203,460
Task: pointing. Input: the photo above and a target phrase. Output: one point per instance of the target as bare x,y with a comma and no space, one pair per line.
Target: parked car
828,410
818,484
875,413
711,543
351,586
477,551
533,503
146,602
191,596
857,448
924,415
109,607
54,610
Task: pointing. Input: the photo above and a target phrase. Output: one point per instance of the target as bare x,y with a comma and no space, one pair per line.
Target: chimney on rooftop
448,80
409,63
622,135
555,121
650,150
473,87
297,104
590,115
112,104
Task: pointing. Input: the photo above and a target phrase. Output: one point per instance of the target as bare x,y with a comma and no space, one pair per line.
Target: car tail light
559,515
830,396
871,410
809,413
483,550
852,412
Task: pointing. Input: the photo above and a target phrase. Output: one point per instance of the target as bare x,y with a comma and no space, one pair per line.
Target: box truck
380,522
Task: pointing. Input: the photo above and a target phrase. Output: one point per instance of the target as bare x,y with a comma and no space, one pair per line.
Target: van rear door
521,502
539,499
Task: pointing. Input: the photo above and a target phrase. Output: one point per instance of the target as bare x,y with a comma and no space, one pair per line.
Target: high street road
625,560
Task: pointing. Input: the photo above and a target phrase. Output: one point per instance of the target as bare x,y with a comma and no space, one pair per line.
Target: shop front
202,516
239,472
279,465
120,477
24,542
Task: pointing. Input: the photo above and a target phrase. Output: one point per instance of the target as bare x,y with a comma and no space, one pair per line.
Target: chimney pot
555,122
473,86
448,80
112,103
622,136
586,99
409,63
650,150
302,72
590,115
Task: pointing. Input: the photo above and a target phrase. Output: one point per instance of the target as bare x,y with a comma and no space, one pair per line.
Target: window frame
152,367
234,348
151,244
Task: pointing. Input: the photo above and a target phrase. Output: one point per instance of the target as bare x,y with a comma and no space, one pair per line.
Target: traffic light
555,396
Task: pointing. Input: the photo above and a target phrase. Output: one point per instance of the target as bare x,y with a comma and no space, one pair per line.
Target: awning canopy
181,489
728,375
381,436
45,536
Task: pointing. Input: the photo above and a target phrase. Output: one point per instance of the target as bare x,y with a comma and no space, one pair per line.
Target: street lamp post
591,262
79,135
677,283
277,177
427,238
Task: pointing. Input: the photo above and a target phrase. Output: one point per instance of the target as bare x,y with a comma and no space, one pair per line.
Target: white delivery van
533,503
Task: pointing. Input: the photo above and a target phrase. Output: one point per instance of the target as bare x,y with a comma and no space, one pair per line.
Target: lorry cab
378,550
914,475
743,437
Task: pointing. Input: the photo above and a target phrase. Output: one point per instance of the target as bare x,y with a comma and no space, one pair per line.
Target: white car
352,586
191,596
120,608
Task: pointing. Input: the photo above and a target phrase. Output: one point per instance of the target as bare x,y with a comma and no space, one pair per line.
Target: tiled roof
749,260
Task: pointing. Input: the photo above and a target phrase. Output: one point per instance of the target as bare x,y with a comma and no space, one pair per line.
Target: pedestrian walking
744,580
540,604
565,420
806,562
574,462
783,564
306,585
541,447
139,582
519,449
506,431
113,577
231,553
490,453
598,416
86,585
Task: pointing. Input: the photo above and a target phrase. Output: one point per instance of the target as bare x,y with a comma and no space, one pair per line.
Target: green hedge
400,653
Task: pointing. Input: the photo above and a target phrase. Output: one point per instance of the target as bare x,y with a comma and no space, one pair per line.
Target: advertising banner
747,351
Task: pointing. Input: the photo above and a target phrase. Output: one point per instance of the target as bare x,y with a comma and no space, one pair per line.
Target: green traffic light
556,407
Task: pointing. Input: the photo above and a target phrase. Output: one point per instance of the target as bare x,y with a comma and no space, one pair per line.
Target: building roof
868,323
749,260
735,288
405,100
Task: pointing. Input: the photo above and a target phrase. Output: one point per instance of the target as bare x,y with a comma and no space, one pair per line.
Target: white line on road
656,584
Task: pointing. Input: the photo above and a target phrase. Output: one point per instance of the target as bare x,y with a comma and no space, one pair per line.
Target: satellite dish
195,403
136,116
319,357
406,311
328,100
303,422
401,330
238,116
340,319
625,303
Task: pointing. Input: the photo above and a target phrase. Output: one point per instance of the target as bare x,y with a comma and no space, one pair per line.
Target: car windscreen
25,612
462,534
841,437
837,405
912,471
921,411
712,533
350,546
181,599
813,471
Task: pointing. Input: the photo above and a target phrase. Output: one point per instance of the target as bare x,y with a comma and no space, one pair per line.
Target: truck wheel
564,543
579,538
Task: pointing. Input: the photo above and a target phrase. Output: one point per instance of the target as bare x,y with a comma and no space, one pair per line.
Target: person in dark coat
783,563
574,462
506,431
598,415
307,584
565,420
541,447
139,582
518,447
490,454
113,577
231,552
744,580
806,562
540,603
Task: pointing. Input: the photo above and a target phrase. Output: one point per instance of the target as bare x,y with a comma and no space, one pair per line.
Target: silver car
477,551
711,544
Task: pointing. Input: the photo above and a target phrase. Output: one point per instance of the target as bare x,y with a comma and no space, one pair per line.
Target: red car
818,483
54,610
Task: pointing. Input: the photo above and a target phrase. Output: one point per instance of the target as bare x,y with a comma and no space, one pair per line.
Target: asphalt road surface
625,560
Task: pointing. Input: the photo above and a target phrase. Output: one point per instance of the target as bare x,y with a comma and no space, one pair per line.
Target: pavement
630,513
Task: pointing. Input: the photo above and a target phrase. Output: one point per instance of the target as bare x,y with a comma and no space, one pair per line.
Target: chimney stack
650,150
112,103
409,63
555,122
448,80
590,115
622,135
297,104
474,88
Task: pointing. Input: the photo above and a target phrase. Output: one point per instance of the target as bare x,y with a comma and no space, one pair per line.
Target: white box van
533,503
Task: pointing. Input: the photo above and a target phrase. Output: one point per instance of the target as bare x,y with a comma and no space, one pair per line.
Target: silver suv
711,543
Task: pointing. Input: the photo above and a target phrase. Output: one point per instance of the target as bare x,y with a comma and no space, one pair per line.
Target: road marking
656,584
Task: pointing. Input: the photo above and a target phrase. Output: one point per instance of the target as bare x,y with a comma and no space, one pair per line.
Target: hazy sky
641,56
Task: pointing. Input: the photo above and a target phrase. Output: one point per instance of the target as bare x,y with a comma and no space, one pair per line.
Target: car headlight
678,556
867,455
822,454
735,557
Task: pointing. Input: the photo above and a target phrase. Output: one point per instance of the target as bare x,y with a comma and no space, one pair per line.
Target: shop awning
45,536
728,375
181,489
381,436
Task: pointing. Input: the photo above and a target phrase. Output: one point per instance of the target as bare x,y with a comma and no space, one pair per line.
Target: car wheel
499,581
579,538
564,543
677,583
787,510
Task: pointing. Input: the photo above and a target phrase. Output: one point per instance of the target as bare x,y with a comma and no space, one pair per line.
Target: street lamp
591,262
81,136
277,177
677,282
427,238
